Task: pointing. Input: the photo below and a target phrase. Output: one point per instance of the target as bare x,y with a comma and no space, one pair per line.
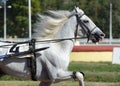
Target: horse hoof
82,73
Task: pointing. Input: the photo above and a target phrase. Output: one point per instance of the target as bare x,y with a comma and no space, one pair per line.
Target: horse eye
85,21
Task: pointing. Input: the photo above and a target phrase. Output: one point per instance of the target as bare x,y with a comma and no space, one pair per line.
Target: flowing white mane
47,26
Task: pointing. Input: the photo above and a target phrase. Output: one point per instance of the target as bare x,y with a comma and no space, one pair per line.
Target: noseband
83,26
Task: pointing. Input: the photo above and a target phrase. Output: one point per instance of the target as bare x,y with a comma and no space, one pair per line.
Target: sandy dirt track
65,83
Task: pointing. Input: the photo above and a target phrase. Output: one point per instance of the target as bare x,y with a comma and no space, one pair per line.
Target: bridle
88,32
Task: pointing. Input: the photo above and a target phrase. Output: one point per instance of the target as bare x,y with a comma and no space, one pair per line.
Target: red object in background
97,48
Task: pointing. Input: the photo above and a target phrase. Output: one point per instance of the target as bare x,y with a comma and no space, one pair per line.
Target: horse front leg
80,77
65,75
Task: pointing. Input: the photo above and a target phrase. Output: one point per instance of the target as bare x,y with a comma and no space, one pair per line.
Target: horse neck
67,32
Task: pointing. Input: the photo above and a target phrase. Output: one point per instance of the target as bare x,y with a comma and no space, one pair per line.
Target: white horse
52,63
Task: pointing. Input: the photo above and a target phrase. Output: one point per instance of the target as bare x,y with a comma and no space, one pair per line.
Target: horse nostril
102,35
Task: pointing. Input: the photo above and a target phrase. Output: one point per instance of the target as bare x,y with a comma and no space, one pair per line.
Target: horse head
87,27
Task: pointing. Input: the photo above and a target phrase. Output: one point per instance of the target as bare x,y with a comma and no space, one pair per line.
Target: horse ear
76,9
74,12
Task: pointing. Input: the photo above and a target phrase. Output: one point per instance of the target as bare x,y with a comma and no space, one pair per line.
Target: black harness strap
86,29
83,26
33,59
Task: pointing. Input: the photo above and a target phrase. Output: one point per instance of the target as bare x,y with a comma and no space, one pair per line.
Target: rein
45,41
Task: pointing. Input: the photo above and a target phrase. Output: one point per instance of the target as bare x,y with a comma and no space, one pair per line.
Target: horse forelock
47,26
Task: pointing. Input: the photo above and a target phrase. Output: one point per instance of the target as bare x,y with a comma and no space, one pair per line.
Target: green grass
94,66
98,72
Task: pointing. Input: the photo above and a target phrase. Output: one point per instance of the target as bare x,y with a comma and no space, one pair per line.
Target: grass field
98,71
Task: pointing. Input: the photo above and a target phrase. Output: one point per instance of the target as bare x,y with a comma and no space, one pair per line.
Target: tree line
97,10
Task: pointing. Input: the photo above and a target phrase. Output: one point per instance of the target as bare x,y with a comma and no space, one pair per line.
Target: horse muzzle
97,37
